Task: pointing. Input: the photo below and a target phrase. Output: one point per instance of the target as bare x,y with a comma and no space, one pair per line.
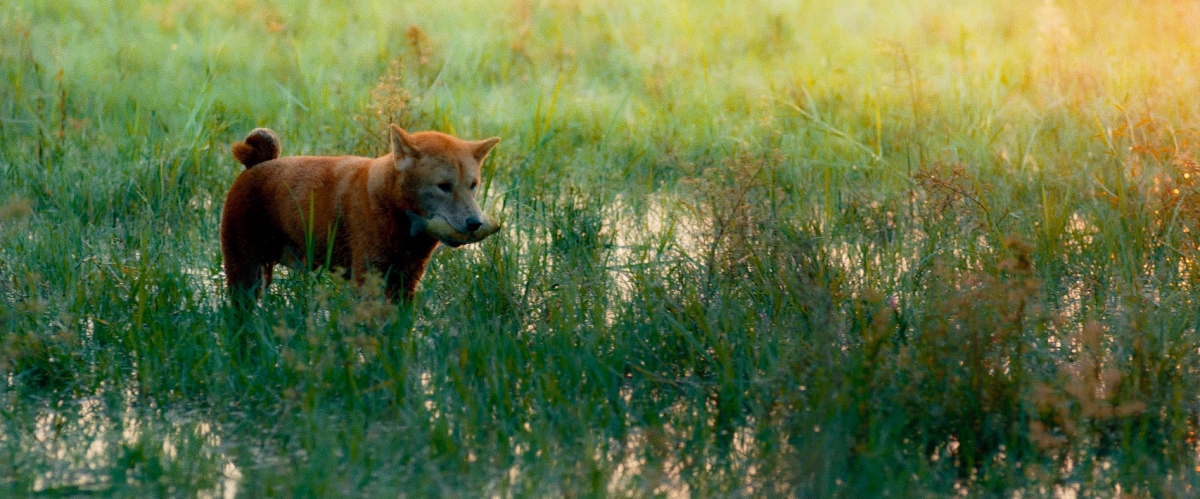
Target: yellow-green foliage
795,248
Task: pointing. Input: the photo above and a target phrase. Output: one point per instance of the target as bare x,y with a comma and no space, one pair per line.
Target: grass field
760,248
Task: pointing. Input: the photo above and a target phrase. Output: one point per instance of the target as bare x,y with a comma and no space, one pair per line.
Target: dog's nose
473,224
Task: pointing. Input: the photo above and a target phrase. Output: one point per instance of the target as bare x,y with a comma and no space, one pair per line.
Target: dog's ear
403,147
481,148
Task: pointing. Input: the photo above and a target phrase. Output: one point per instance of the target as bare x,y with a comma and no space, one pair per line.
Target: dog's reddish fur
345,211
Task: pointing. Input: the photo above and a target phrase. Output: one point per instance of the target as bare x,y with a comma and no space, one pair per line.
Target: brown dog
385,214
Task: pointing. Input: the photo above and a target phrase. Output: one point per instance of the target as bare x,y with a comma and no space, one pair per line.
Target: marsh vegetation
753,248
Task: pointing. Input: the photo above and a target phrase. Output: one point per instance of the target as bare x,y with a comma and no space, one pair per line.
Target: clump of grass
953,192
15,208
968,359
38,360
390,102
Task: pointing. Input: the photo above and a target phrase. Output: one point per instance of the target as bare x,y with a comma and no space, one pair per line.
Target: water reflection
109,442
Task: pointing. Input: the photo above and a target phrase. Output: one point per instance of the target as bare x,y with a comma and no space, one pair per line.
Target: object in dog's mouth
441,229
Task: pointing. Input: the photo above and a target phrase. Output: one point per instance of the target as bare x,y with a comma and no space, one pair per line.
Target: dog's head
441,174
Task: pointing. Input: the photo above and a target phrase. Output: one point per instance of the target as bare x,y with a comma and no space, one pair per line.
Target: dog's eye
445,186
473,184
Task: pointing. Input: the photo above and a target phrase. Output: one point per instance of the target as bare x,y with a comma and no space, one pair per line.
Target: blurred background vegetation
757,248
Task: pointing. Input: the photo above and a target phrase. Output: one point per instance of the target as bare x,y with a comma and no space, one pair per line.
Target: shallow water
91,445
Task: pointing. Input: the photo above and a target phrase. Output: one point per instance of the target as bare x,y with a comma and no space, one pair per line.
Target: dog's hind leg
246,279
248,263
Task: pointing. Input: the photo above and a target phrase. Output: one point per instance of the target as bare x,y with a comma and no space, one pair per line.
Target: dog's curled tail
260,145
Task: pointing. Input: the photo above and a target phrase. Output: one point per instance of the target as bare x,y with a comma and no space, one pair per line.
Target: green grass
750,248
